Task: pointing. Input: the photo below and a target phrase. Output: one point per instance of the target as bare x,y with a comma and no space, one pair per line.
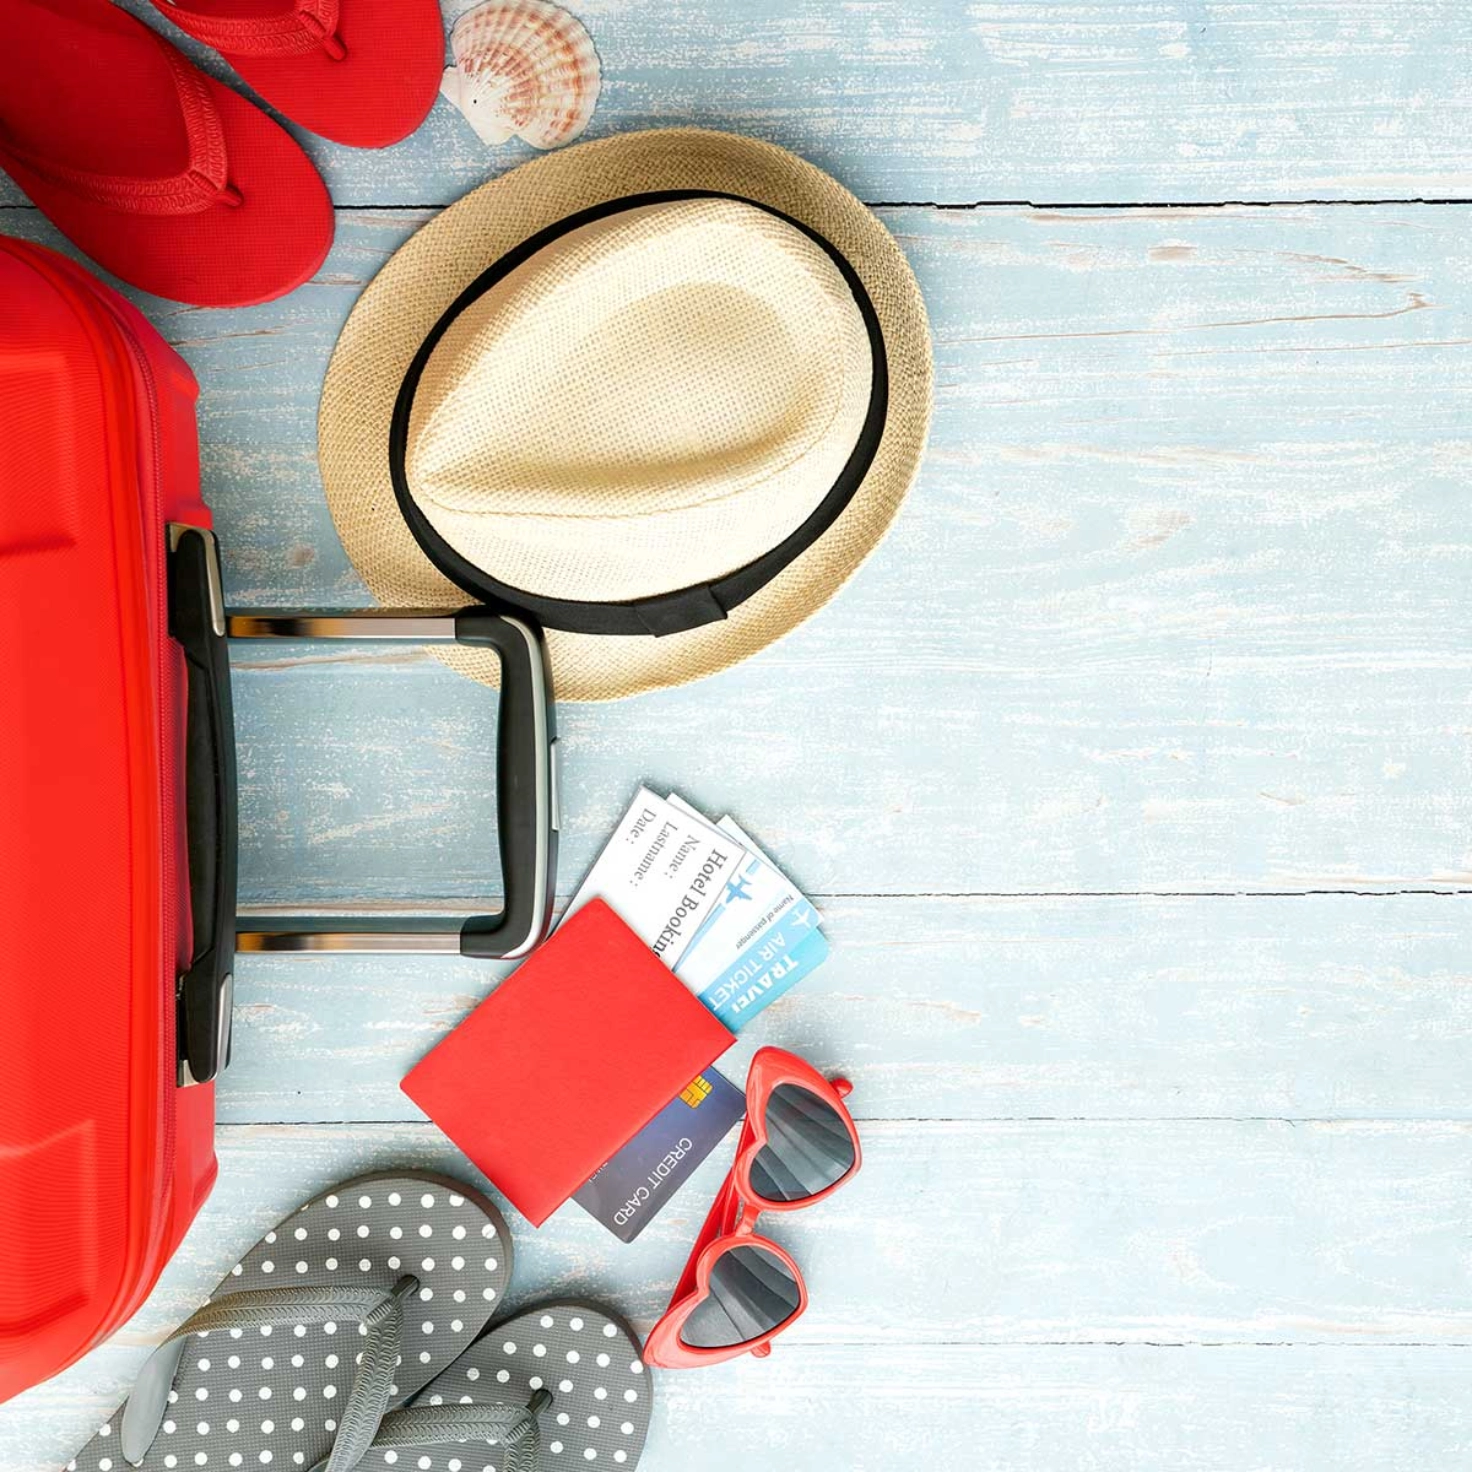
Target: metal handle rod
265,933
405,625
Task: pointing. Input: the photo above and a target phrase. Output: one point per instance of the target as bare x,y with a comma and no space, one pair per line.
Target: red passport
566,1061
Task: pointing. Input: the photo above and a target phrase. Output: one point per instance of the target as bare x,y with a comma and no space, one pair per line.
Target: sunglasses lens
808,1146
752,1292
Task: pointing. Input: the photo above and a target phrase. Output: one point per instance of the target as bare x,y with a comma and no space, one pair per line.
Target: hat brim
408,296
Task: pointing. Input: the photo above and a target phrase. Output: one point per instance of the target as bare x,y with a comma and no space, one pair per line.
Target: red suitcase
104,1156
117,810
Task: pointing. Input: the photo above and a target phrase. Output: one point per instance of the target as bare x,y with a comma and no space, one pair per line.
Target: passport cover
566,1061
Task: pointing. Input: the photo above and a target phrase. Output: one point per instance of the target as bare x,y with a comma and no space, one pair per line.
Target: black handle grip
197,623
526,792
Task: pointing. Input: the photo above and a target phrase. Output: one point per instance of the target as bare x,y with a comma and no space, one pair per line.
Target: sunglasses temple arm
715,1226
725,1212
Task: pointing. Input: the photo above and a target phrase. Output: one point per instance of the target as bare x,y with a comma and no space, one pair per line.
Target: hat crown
650,400
372,386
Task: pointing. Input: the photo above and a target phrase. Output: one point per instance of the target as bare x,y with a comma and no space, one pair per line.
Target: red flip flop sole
130,122
377,92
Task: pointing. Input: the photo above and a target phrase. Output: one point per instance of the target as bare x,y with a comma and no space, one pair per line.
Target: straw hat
664,392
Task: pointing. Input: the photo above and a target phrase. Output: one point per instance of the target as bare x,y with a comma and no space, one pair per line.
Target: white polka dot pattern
586,1359
266,1397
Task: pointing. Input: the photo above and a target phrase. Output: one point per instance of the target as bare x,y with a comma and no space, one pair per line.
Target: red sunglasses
740,1290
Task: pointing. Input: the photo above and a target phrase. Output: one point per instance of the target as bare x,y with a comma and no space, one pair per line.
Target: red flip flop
363,72
159,173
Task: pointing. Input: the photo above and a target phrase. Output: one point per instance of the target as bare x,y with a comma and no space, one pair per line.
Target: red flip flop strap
308,25
203,182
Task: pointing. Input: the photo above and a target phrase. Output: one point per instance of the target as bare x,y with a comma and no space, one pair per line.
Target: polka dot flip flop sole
567,1381
350,1306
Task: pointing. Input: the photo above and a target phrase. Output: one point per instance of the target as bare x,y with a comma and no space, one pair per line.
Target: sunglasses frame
731,1222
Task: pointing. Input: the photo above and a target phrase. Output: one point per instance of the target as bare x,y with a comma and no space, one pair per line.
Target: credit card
628,1192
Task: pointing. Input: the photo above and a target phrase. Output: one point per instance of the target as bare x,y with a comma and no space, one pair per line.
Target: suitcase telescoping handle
526,787
526,799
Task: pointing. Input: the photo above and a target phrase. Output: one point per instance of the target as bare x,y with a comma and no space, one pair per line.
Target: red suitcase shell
117,810
104,1158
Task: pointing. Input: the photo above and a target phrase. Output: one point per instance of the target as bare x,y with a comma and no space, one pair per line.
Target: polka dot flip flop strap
562,1386
346,1309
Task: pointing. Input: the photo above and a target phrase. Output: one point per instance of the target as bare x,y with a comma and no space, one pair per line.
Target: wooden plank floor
1134,774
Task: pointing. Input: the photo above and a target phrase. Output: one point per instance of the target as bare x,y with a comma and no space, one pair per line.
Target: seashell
523,68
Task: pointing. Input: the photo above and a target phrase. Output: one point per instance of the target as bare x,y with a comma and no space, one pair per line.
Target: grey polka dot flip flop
560,1387
349,1307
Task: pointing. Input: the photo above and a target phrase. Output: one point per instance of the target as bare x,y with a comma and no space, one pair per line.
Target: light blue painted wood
1020,1235
1007,1232
1319,1006
1071,100
964,1408
1177,604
